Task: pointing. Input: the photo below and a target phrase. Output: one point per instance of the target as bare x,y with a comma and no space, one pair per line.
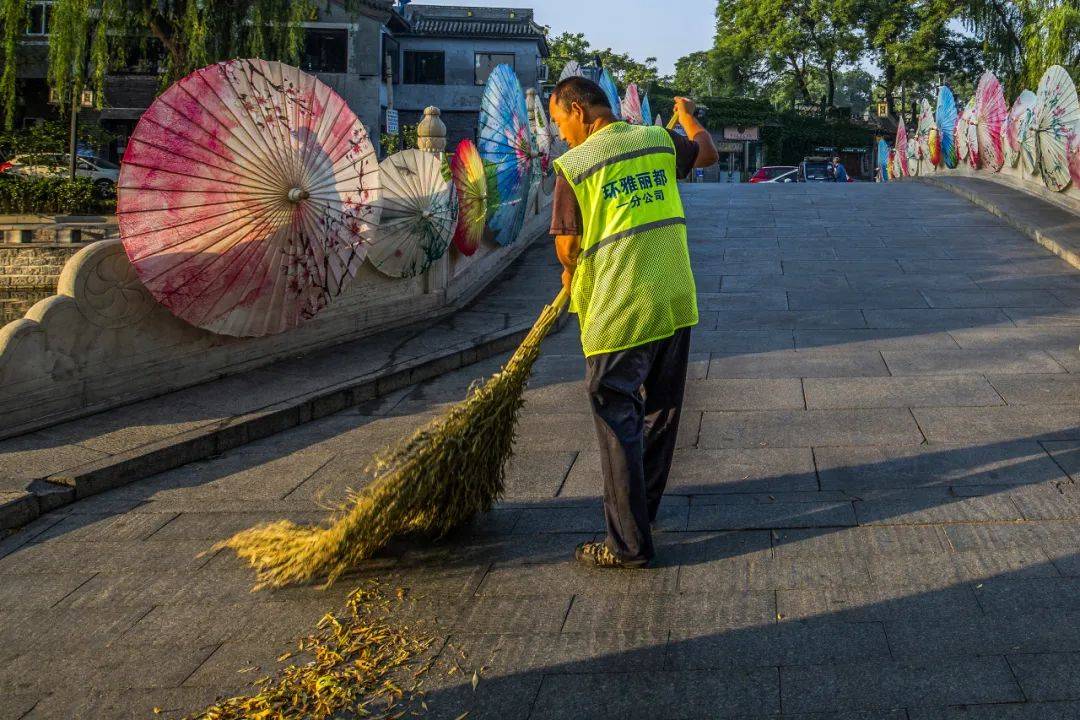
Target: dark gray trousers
636,398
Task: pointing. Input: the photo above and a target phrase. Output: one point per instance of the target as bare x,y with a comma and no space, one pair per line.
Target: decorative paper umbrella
961,136
1057,113
990,113
1073,149
419,214
912,157
471,184
883,159
1019,119
542,132
607,83
646,110
945,117
901,148
506,144
247,197
926,133
631,106
971,135
659,121
894,164
571,69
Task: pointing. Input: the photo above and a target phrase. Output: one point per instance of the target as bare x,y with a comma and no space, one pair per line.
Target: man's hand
707,152
567,248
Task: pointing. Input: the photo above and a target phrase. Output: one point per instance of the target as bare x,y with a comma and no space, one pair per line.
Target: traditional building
444,54
376,54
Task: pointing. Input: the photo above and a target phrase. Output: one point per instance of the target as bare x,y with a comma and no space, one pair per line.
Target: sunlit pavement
871,509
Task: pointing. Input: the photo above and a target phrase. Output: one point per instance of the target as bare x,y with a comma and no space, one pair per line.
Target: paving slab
805,428
923,391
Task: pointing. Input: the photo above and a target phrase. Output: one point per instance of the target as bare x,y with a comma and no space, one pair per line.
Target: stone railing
102,341
1016,177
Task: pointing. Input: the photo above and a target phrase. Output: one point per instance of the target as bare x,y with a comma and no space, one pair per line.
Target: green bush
50,195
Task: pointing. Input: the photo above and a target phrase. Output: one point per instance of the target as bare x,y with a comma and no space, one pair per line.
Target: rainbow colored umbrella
472,187
248,197
945,118
607,84
506,144
1057,113
990,114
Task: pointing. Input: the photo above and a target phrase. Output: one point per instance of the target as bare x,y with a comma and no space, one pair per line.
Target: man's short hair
582,91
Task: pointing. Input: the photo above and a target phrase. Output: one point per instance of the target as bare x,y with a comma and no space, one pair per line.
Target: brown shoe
598,554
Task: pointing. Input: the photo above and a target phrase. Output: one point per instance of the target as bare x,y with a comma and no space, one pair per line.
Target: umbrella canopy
570,69
248,197
631,106
901,148
506,144
926,133
1017,127
883,159
945,118
1073,149
1057,113
646,110
607,84
968,135
543,133
472,187
419,214
659,121
990,114
912,157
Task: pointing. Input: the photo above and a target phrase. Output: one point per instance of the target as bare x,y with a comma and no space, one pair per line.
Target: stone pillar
431,137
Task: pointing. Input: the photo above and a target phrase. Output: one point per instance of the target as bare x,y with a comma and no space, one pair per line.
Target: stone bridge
872,513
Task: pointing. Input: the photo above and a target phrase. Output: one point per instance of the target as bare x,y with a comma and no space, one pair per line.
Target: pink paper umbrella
631,106
248,197
990,114
901,148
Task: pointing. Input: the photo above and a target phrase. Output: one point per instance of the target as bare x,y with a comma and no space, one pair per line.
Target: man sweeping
620,234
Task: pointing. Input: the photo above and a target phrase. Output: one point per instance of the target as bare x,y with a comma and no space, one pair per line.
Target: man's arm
707,153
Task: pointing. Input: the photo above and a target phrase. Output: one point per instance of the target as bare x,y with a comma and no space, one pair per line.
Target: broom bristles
441,477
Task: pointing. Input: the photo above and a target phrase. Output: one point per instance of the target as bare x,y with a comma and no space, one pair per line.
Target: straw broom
444,475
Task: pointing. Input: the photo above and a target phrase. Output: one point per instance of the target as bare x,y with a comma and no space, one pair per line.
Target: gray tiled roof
480,27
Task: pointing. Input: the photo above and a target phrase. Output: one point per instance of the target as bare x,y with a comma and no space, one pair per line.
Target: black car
815,169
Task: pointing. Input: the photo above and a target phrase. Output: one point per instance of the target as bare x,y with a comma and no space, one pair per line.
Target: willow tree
88,38
1021,38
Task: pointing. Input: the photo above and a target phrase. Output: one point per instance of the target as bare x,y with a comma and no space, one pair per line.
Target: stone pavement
872,515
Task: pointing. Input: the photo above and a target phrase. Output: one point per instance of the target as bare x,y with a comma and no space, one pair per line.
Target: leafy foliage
88,38
50,136
624,68
49,195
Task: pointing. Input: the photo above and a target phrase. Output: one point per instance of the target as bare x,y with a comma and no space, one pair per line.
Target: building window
325,50
425,68
486,62
39,18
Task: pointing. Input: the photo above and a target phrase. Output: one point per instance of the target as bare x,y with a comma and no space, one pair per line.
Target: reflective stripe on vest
633,282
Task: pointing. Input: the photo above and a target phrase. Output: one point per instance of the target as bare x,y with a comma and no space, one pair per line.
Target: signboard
883,109
729,147
734,133
842,149
391,121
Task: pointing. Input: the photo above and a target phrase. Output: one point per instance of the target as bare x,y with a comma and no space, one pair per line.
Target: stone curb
19,508
1063,247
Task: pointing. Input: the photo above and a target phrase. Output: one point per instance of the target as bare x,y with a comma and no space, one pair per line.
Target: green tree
88,37
625,69
1021,38
790,37
694,74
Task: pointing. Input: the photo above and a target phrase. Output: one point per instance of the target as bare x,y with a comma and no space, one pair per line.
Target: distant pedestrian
839,171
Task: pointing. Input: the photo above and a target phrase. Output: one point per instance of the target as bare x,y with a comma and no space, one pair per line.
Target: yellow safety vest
633,282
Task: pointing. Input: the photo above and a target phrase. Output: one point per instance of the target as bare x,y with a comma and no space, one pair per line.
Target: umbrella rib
262,191
269,129
231,213
257,149
234,161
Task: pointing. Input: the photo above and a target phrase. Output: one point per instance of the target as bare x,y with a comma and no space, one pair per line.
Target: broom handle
673,121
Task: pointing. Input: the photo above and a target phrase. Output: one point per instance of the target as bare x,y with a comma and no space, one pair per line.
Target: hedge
50,195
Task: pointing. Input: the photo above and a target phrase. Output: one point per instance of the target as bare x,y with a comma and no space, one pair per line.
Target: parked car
815,169
102,173
774,173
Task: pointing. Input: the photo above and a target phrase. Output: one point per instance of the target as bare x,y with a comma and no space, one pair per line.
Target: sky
643,28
